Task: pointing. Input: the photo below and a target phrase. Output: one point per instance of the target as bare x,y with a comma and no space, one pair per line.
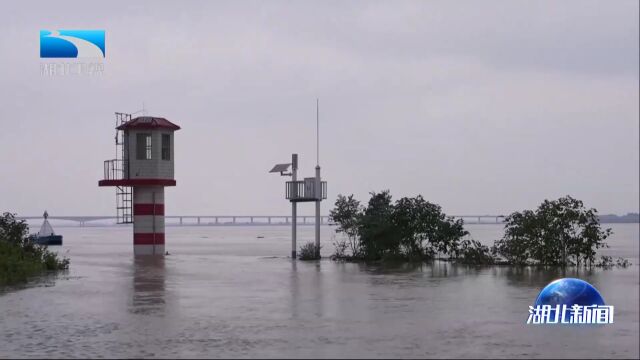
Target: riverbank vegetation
20,258
561,232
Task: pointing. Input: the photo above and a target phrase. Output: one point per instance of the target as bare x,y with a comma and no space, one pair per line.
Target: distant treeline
613,219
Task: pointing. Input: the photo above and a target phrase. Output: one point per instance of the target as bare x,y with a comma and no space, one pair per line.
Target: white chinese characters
576,314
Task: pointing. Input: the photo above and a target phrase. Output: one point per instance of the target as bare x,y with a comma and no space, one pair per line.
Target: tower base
148,250
148,220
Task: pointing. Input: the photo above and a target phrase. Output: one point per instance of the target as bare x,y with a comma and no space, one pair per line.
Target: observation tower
143,166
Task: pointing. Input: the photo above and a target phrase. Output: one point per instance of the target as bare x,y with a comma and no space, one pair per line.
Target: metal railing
114,169
301,190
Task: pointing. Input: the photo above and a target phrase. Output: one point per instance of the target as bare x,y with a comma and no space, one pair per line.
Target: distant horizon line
630,213
302,219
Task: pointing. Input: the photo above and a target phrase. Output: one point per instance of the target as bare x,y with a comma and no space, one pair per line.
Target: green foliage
12,230
309,251
560,232
20,258
346,214
410,228
472,252
376,229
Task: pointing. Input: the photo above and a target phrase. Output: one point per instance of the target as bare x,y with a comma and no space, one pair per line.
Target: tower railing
304,191
114,169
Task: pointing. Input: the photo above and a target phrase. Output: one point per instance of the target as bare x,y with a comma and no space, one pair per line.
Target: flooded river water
224,292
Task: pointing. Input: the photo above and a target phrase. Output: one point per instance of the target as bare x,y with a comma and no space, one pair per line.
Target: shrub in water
472,252
309,251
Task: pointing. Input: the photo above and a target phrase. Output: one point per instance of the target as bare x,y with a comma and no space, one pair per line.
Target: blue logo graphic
570,301
569,291
72,44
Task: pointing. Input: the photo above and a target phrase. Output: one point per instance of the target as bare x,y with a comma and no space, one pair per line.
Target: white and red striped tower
143,167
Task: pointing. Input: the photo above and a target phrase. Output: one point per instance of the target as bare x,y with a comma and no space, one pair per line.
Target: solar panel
280,168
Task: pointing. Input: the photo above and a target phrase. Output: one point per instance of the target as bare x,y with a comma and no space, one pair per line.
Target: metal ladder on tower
123,205
124,194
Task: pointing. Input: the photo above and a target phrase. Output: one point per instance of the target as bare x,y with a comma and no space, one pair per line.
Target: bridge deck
245,219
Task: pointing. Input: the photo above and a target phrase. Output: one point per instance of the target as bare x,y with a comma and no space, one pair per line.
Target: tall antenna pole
317,131
318,181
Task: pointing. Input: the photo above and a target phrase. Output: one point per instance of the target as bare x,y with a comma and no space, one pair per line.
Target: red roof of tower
148,122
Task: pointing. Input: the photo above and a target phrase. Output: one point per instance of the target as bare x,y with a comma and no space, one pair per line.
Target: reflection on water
306,289
224,293
294,285
148,285
538,276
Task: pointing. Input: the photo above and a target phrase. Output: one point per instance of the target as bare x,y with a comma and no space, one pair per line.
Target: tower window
143,146
166,147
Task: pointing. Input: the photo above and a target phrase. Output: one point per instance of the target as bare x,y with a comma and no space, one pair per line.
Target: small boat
46,236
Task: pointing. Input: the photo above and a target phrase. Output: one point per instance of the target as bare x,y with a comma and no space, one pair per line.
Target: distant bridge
243,220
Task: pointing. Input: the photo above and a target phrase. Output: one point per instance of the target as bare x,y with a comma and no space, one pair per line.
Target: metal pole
318,184
294,188
153,221
318,193
317,132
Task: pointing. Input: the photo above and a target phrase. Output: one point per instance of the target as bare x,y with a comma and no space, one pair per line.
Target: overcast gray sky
482,107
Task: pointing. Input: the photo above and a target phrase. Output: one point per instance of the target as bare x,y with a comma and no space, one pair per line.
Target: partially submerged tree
346,214
410,228
425,230
560,232
473,252
376,229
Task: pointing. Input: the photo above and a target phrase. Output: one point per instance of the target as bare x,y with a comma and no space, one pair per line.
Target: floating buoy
46,236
